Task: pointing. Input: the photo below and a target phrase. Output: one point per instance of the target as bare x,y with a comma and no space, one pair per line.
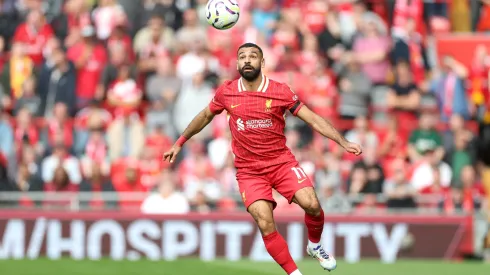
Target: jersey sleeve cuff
215,110
295,109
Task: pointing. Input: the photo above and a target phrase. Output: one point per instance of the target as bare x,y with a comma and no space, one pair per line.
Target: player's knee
313,207
266,226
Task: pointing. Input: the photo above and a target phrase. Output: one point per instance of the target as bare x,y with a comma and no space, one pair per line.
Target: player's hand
352,148
171,154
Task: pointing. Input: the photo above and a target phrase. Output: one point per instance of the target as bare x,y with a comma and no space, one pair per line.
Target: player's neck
252,85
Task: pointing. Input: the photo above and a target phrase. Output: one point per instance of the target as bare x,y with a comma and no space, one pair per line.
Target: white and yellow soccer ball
222,14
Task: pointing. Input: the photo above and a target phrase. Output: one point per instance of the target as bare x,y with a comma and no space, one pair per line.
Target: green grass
196,267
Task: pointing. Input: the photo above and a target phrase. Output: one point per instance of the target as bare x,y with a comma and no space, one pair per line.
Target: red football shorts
286,178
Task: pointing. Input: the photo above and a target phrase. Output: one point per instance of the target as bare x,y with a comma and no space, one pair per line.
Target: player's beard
250,75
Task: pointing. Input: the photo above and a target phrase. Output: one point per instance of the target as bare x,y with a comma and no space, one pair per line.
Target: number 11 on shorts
298,171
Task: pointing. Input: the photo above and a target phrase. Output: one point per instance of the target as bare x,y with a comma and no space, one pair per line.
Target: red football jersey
257,121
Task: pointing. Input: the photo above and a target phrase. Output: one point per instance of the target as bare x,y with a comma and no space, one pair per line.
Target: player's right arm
200,121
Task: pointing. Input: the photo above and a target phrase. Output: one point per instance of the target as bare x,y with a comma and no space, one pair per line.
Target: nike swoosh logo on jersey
300,181
234,106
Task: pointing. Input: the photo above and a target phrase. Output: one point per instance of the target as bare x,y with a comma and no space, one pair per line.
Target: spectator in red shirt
126,178
393,142
3,52
59,124
93,113
124,94
26,133
285,36
96,146
158,141
89,58
479,75
68,25
322,95
34,33
150,167
125,175
287,62
120,38
460,200
434,192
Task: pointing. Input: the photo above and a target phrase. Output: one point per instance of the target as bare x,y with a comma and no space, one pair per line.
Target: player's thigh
262,212
289,178
254,188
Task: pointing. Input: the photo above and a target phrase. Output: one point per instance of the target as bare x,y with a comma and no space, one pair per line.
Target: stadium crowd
93,92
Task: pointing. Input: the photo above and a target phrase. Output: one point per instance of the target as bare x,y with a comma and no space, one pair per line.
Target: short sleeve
216,105
293,104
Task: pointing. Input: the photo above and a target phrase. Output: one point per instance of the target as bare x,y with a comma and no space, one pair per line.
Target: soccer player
256,107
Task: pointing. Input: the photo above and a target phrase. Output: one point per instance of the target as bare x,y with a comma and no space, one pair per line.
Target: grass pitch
221,267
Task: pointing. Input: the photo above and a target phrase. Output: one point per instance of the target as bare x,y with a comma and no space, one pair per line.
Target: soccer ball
222,14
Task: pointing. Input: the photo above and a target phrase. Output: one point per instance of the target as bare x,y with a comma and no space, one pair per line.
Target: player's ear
262,63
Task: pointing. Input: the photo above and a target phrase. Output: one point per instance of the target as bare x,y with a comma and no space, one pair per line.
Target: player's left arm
326,128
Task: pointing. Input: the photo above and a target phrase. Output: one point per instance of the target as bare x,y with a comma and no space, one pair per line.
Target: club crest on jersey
268,105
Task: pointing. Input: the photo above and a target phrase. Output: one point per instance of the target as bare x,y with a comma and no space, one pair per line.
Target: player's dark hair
251,45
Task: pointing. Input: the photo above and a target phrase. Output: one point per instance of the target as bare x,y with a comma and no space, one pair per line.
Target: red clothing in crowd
119,179
122,184
34,41
125,92
415,47
125,42
478,82
78,21
96,149
467,204
50,188
484,23
83,116
88,75
158,143
150,171
315,15
29,136
408,9
66,129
